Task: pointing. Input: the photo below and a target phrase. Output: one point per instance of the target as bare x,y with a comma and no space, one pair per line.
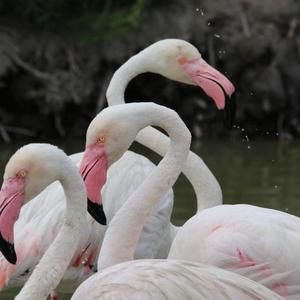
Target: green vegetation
86,19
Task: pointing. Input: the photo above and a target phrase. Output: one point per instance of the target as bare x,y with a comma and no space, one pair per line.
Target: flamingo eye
101,140
22,173
181,59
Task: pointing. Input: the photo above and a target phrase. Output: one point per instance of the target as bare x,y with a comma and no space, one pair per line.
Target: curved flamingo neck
205,185
207,189
48,273
124,230
115,93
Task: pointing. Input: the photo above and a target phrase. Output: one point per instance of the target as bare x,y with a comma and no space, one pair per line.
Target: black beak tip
229,111
97,212
8,250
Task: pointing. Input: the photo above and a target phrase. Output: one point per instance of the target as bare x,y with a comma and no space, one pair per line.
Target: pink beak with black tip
93,170
11,201
213,83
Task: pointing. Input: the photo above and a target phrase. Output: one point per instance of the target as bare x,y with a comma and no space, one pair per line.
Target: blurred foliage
57,57
83,19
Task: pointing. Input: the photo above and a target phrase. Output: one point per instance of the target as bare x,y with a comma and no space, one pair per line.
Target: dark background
57,57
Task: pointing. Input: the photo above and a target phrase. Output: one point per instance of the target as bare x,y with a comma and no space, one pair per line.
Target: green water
264,173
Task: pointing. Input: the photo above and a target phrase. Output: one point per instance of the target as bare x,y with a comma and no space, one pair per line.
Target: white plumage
41,219
29,171
170,280
259,243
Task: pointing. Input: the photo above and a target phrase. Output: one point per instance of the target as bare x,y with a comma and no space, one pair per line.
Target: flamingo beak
93,170
214,84
11,200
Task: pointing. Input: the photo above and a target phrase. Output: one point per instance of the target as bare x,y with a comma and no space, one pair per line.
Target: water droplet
217,35
275,186
249,147
286,209
200,10
267,132
208,23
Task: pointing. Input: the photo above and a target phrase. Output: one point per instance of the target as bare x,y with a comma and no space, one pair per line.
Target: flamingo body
169,279
259,243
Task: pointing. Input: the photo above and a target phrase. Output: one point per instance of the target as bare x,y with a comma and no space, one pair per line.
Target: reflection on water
266,174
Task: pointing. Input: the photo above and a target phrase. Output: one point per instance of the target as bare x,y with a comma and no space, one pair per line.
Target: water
266,174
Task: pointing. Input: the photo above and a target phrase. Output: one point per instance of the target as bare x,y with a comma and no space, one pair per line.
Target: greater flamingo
175,59
30,170
123,278
178,60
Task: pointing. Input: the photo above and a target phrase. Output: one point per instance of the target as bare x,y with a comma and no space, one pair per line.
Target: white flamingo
175,59
123,278
30,170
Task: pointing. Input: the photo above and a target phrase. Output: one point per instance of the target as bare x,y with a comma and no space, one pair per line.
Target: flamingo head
105,144
28,172
179,60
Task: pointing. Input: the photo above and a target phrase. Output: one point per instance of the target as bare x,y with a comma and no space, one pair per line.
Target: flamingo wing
255,242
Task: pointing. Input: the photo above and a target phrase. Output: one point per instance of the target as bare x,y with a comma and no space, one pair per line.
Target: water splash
245,137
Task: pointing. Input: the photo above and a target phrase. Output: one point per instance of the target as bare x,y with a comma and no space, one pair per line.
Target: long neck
115,93
124,230
205,185
48,273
